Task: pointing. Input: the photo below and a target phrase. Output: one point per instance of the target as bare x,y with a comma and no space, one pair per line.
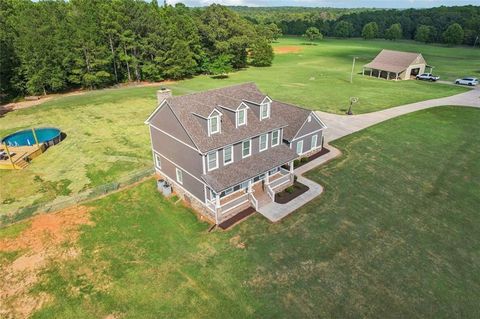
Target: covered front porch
255,192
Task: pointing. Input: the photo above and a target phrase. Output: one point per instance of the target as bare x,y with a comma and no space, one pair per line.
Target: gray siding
166,120
184,156
307,141
237,150
309,127
191,184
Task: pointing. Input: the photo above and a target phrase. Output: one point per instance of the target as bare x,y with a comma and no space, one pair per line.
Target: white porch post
388,75
363,71
250,186
217,206
379,72
291,167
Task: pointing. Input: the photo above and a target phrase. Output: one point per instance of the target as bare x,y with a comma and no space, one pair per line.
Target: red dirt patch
288,49
49,237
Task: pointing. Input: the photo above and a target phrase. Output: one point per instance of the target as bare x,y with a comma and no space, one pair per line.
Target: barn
396,65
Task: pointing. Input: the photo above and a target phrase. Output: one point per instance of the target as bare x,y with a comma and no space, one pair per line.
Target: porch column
217,207
388,75
291,167
379,72
363,71
250,186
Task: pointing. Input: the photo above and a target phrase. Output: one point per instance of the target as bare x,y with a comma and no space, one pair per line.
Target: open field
106,137
395,234
318,77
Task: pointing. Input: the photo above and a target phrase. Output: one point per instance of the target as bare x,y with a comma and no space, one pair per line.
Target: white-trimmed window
246,148
264,111
228,155
179,176
212,160
213,125
300,147
158,161
275,138
241,117
263,142
314,141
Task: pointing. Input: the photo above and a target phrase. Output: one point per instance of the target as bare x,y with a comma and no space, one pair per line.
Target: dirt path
49,237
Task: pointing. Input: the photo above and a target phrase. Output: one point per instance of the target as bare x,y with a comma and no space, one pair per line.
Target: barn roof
395,61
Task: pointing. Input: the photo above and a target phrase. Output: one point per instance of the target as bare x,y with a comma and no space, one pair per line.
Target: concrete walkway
275,212
342,125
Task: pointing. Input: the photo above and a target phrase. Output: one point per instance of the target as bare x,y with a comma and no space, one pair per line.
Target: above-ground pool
47,135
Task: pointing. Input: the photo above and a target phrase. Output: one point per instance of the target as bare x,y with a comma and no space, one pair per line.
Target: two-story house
226,149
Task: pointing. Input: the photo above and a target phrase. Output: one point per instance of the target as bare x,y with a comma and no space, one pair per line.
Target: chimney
163,94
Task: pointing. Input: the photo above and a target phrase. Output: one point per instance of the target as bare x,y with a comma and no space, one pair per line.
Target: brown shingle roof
395,61
294,115
249,167
203,103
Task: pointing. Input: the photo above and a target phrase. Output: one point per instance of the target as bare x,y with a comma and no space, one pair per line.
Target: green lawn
319,77
395,235
106,137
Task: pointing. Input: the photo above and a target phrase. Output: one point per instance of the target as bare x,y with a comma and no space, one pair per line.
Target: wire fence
76,199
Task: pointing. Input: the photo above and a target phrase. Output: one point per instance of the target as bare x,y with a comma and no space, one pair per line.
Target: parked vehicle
428,77
467,81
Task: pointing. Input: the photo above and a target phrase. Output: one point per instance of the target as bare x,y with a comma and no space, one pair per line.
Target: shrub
289,189
295,177
296,163
303,160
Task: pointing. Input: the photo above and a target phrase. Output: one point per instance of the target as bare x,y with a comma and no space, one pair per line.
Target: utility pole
353,67
475,43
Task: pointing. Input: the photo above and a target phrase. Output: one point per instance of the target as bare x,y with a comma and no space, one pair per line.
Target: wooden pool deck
20,156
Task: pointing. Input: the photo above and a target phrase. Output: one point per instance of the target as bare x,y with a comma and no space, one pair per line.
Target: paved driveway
341,125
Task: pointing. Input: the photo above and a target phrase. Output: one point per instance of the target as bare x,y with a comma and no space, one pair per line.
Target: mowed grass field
106,137
318,76
395,235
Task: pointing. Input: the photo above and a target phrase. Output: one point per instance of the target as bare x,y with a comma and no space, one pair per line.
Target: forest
52,46
425,25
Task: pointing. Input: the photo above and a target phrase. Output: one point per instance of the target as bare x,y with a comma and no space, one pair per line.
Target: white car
467,81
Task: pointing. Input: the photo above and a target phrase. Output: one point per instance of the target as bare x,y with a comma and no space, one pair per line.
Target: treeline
295,20
425,25
51,46
451,25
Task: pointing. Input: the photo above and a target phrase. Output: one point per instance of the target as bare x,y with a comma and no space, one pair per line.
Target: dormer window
241,117
264,111
213,125
214,122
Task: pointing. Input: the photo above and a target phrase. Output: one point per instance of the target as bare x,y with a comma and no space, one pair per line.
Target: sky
333,3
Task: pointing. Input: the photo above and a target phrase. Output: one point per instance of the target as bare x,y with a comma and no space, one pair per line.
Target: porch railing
234,203
270,192
253,200
280,181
